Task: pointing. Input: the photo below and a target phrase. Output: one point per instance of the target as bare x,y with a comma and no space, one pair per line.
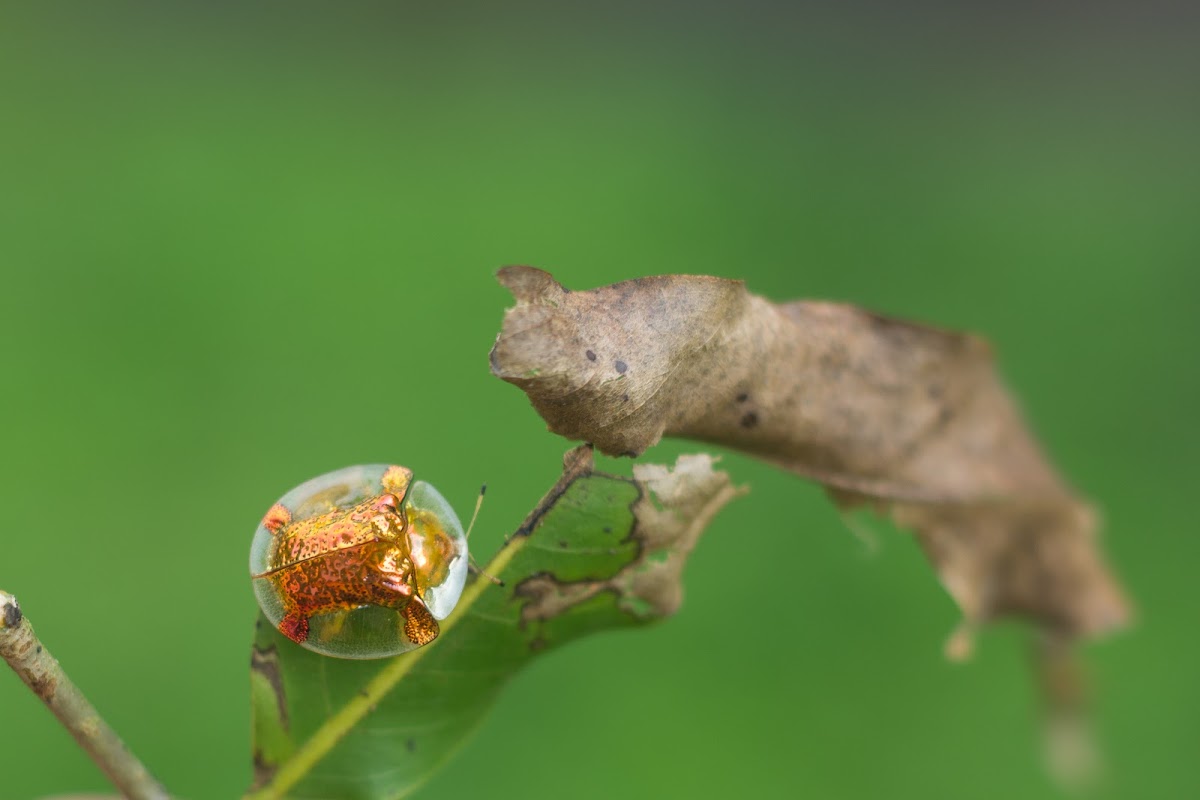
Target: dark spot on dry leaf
39,649
591,356
750,419
743,397
624,398
620,366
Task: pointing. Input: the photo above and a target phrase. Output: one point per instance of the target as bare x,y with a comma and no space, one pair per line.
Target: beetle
360,563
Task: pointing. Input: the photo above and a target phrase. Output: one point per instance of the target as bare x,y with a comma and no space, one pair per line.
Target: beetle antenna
475,568
478,505
470,558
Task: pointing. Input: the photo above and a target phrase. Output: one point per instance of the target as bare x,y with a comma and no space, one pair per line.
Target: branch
42,673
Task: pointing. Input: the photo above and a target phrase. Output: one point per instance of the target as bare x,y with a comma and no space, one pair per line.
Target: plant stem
19,646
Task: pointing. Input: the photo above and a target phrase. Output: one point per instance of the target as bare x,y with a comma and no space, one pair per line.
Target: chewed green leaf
599,552
272,740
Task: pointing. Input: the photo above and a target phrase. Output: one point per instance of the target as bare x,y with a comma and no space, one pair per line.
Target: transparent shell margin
422,497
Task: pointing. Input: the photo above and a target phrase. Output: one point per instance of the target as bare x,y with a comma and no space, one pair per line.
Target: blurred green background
243,246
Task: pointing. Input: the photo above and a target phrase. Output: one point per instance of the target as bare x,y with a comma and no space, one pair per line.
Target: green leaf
599,552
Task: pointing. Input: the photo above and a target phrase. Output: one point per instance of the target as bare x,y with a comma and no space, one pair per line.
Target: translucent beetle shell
359,563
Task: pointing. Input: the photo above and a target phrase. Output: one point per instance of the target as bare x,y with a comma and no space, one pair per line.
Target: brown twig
19,646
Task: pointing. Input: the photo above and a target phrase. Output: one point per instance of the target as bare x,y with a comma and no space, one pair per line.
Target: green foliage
243,244
379,729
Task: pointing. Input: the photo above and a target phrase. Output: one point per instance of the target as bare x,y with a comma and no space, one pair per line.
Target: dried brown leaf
911,420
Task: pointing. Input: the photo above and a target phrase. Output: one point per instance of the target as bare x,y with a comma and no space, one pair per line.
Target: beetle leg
294,626
277,518
396,480
419,625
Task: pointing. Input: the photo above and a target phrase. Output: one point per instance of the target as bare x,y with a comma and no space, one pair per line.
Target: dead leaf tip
527,284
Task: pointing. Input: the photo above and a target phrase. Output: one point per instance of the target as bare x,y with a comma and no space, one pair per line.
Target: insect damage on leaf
665,532
268,702
598,552
909,420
